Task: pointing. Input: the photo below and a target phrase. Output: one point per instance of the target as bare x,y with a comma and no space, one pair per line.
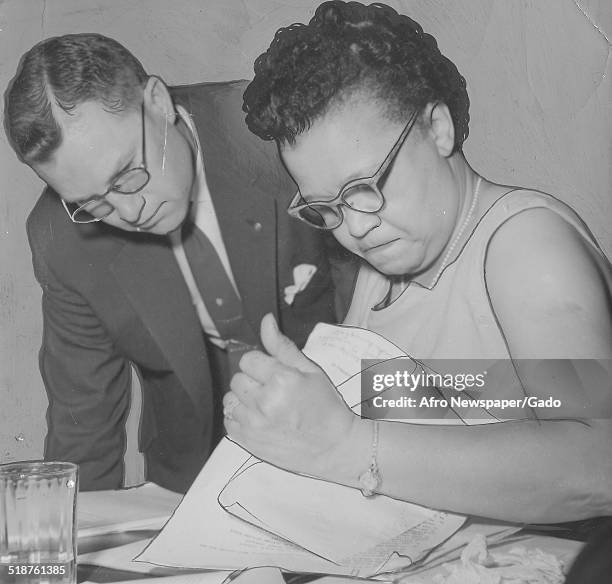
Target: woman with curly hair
370,118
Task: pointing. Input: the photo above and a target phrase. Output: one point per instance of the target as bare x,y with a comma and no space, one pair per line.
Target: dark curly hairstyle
346,48
66,71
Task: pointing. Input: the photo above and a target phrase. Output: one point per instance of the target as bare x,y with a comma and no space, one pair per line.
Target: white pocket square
302,275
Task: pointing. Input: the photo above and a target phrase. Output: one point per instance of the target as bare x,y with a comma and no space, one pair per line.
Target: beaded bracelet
370,480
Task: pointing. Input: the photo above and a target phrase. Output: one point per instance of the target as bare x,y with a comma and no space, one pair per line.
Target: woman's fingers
281,347
259,366
246,388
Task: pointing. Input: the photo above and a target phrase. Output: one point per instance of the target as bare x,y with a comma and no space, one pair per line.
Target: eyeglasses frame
117,177
371,181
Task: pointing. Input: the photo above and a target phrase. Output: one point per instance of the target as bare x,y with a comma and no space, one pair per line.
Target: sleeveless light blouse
453,319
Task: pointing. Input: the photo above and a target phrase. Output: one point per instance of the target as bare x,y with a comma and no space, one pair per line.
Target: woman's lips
379,246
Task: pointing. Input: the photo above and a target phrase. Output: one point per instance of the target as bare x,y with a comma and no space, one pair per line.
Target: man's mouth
150,221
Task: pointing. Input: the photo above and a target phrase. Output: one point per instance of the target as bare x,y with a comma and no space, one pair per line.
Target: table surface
577,532
128,516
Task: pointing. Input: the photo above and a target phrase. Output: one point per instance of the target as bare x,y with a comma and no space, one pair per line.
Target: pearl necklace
452,246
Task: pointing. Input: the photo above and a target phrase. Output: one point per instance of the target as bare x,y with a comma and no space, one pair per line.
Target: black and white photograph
301,291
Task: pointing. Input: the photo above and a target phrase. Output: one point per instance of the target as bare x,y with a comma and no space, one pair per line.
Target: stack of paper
241,512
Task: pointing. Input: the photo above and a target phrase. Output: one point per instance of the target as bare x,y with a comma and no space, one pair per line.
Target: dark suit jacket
111,298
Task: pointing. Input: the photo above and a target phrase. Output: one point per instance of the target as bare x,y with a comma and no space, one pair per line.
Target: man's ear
157,99
442,128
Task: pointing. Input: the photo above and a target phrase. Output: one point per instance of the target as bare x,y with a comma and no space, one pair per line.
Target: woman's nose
128,207
359,223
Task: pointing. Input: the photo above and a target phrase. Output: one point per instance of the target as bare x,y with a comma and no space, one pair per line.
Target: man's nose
128,207
359,223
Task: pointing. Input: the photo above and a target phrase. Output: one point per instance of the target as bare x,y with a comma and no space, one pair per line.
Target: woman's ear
157,99
442,128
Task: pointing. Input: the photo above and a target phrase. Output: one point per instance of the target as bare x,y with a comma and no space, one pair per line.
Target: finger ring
230,404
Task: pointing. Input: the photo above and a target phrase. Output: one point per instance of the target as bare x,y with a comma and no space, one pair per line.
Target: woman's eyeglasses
360,194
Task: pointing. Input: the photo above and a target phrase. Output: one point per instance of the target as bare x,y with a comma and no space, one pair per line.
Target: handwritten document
242,512
338,350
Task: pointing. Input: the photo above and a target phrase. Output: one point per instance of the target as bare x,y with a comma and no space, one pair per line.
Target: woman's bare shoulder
550,287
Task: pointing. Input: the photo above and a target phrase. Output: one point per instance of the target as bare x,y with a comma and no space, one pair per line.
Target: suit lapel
147,271
248,224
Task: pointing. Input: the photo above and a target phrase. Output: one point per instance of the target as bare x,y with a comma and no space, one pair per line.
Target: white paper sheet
202,535
339,351
450,550
294,522
118,557
121,558
332,521
145,507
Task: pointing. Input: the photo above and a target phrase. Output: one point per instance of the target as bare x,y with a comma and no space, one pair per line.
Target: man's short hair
66,71
345,49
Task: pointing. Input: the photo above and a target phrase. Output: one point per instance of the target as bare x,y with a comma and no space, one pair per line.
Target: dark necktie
215,287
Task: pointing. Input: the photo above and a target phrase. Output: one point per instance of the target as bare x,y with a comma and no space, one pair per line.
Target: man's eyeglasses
360,194
127,182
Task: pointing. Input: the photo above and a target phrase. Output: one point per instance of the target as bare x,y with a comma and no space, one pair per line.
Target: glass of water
38,522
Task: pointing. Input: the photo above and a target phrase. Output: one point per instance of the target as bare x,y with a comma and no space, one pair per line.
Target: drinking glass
38,522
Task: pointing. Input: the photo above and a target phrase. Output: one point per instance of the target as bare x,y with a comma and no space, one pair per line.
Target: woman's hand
283,408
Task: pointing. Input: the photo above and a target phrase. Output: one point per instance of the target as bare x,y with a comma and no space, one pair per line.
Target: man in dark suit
133,169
